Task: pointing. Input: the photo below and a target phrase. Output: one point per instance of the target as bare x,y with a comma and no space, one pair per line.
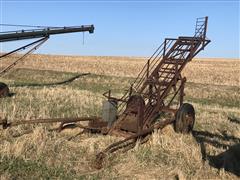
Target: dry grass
206,71
34,152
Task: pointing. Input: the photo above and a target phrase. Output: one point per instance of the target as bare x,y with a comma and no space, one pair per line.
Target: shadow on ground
51,84
234,120
229,160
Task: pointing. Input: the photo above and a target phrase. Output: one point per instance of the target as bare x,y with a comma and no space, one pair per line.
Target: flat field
45,86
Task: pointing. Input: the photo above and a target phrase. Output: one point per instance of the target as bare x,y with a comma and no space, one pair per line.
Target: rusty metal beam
6,124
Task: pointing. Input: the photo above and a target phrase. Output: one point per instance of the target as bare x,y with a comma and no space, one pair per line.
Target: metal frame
35,44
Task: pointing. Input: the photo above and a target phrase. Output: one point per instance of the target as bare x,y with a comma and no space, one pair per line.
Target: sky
125,28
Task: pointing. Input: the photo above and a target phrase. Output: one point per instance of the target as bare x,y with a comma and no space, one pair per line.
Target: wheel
4,90
184,119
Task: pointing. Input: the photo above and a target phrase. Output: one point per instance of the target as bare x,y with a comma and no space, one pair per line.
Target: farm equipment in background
154,99
44,33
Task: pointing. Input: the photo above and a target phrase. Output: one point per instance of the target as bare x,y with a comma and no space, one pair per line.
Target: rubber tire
185,119
4,90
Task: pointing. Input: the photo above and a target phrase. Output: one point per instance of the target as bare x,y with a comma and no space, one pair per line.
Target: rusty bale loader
158,90
156,97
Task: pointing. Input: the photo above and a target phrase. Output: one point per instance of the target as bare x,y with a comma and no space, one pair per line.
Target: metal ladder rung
179,49
170,71
163,83
175,61
188,43
200,21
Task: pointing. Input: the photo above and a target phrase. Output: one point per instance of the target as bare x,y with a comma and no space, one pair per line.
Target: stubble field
59,86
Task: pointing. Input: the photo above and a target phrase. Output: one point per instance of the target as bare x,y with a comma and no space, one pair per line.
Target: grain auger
42,34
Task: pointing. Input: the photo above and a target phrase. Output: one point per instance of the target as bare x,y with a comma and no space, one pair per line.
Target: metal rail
5,124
